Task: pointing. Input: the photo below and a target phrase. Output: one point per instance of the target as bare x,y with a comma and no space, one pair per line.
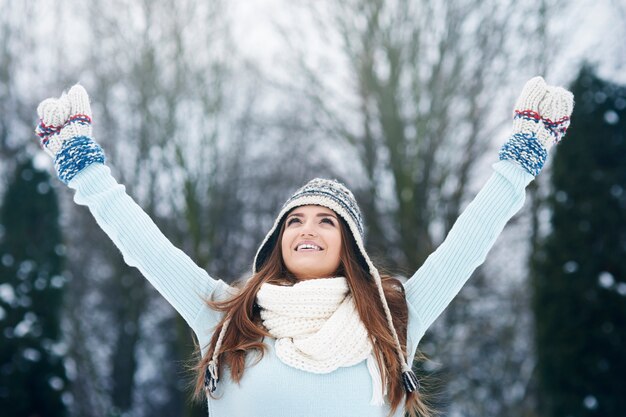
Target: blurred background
212,113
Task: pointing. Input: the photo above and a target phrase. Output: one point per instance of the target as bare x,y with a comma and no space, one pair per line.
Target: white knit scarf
318,329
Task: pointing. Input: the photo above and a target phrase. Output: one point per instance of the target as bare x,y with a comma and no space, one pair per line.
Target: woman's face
311,242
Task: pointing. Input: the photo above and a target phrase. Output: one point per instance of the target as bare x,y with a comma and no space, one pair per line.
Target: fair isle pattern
77,153
46,131
337,192
525,150
556,128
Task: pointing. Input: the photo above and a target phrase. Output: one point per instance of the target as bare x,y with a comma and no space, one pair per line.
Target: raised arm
540,120
65,132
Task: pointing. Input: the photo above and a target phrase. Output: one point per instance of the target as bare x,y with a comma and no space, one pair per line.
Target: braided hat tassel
211,374
409,379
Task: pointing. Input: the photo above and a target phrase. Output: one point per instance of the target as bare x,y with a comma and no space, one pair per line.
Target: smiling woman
331,336
311,242
313,288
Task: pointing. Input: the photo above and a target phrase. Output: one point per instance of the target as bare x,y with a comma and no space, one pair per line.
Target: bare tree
414,104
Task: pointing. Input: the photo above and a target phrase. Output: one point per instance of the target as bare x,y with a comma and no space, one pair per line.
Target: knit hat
318,192
335,196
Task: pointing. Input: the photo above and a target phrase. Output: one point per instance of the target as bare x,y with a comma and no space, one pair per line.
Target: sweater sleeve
445,271
183,284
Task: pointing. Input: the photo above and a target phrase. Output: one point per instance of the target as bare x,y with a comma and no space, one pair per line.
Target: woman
316,330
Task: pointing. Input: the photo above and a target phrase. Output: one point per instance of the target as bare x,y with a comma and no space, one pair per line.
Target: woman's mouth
308,247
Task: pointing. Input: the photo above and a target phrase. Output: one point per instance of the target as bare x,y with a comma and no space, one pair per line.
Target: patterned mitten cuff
77,154
542,116
65,132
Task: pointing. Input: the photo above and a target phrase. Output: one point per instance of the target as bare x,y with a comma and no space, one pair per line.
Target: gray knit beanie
318,192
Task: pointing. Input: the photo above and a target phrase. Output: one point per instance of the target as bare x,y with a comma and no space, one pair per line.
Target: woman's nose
308,230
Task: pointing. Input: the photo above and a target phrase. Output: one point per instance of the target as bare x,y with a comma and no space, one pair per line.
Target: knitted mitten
65,132
542,115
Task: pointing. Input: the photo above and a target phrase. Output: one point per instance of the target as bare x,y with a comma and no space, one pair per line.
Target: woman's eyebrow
318,215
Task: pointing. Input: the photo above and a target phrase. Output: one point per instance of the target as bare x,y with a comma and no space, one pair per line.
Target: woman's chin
311,274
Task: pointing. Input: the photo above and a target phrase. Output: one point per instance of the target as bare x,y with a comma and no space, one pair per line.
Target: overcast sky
586,29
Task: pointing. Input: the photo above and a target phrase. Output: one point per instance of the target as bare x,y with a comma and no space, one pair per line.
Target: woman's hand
65,132
541,118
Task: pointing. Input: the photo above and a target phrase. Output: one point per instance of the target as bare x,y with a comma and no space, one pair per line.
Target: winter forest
212,113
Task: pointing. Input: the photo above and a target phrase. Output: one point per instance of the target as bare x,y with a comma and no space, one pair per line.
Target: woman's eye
328,220
292,220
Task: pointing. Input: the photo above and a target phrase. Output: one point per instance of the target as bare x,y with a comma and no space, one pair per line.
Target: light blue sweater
271,388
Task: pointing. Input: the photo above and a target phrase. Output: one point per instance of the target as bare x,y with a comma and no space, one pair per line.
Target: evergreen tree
32,374
579,277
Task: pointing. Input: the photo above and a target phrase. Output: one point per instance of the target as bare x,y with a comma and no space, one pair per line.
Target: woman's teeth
308,246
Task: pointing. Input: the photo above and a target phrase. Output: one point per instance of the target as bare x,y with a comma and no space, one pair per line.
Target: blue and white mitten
65,132
541,118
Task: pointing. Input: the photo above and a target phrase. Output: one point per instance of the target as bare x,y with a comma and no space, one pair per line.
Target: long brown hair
246,331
